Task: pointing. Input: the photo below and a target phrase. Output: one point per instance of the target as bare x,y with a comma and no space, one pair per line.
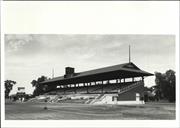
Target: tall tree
166,84
171,83
8,87
39,88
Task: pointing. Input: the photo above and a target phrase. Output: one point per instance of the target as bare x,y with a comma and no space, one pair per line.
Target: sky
30,56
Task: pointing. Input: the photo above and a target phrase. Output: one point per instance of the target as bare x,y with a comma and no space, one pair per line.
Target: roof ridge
104,67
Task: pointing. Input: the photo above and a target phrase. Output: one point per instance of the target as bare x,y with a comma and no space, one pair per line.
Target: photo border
48,123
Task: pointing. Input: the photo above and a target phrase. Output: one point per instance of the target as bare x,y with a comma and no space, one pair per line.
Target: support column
133,79
116,81
118,84
143,78
107,81
102,89
64,90
87,88
75,88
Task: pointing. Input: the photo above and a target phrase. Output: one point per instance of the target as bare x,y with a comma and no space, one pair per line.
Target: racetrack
59,111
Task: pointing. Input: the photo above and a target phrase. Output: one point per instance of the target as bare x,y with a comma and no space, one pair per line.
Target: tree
8,87
171,82
39,88
166,85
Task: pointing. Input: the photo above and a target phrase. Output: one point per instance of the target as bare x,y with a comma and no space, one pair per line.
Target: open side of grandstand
100,88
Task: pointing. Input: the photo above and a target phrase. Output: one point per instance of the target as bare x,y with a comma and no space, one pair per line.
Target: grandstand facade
123,83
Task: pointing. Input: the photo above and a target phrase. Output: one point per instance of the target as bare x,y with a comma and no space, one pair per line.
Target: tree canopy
8,87
39,88
166,84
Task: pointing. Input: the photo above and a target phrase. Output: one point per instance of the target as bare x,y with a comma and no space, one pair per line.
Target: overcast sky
29,56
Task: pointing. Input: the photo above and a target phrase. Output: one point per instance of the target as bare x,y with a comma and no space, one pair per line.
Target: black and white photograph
90,64
90,77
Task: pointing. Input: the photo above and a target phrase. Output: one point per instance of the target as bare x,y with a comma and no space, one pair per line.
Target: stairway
97,99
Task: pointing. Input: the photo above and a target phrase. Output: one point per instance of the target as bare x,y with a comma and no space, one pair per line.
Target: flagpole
129,53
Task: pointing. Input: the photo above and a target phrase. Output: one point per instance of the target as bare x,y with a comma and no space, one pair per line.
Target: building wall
107,99
131,94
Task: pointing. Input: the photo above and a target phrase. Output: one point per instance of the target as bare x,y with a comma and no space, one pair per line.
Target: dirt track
35,111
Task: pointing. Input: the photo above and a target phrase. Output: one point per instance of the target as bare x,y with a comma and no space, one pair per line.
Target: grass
67,111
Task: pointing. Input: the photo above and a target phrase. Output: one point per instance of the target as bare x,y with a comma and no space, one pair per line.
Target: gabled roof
126,67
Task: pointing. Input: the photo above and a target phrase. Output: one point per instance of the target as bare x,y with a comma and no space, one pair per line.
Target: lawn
55,111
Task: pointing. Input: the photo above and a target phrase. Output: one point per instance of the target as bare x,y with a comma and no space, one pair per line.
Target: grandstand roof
126,70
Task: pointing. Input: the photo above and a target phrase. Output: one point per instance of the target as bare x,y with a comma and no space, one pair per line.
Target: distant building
21,89
20,95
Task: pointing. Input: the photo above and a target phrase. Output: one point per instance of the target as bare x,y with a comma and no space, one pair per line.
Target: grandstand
118,84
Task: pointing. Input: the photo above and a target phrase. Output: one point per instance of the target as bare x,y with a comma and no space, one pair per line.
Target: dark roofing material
129,67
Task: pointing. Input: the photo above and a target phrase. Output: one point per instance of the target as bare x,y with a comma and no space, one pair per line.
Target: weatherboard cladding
129,67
